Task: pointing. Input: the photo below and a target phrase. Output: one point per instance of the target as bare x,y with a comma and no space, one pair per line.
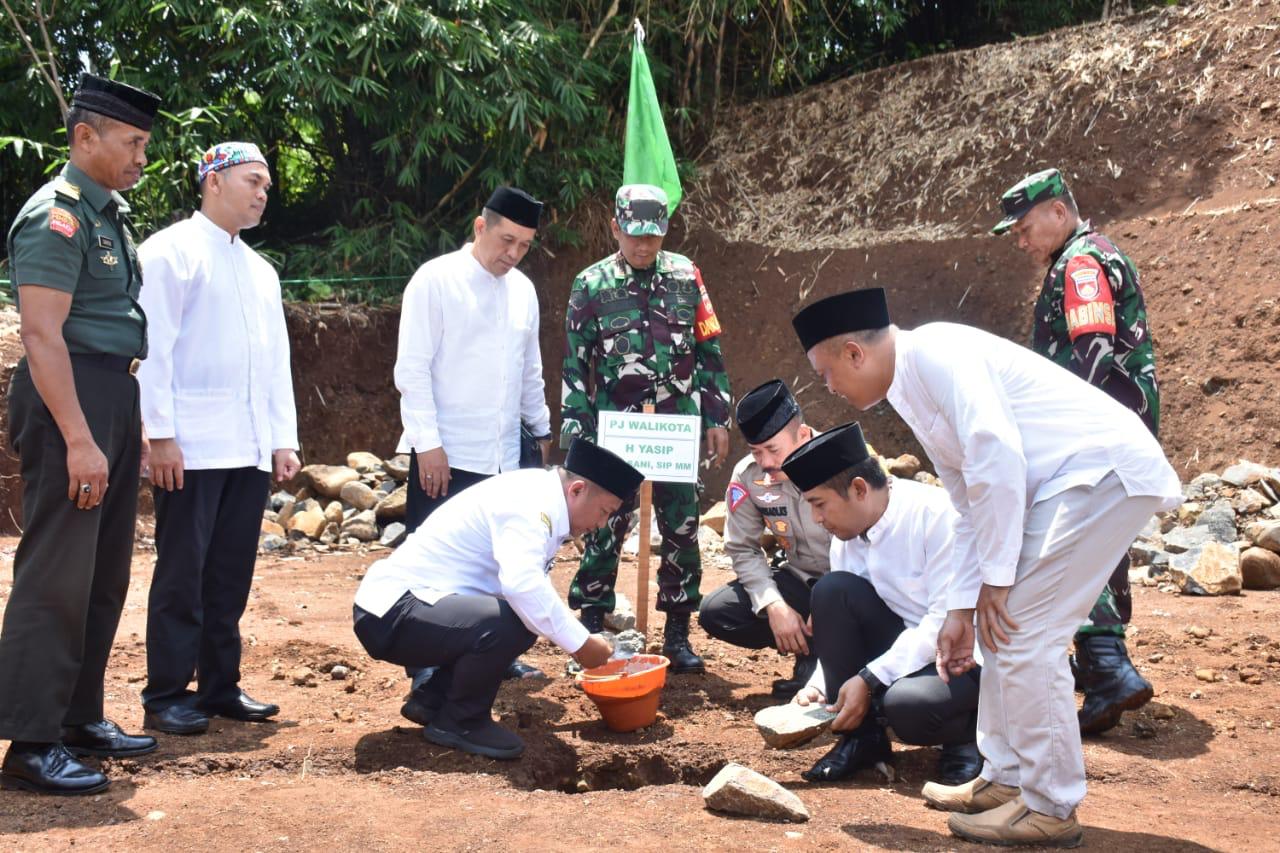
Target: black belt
117,363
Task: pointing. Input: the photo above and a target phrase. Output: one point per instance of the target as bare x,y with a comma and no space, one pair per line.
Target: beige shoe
1013,824
976,795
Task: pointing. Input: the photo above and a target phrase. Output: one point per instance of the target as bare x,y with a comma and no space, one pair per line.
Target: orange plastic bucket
627,692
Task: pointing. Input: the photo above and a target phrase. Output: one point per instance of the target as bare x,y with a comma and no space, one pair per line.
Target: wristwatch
875,685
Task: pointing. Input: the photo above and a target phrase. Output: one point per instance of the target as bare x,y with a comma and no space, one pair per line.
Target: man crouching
468,591
876,614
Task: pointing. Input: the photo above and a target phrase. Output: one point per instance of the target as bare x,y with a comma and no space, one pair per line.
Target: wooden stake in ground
642,555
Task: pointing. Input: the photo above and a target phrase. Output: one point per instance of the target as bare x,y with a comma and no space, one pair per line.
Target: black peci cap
817,461
603,467
516,205
115,100
764,410
855,311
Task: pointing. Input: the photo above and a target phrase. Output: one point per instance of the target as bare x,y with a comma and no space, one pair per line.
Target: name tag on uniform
105,242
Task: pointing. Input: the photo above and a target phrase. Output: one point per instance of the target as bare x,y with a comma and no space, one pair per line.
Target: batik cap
641,210
224,155
1026,194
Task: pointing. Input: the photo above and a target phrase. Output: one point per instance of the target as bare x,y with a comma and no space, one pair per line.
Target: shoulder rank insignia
67,190
546,519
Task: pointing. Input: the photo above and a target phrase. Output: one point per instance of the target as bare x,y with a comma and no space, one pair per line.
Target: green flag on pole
648,158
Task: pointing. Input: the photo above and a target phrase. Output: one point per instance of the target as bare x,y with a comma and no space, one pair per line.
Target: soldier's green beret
1026,194
641,210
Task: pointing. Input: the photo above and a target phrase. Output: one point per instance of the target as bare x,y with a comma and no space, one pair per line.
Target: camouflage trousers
675,506
1113,609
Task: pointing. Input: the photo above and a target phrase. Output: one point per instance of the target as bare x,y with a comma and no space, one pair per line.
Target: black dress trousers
418,505
206,545
727,615
852,626
71,569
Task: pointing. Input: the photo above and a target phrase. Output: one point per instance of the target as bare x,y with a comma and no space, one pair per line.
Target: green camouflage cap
641,210
1026,194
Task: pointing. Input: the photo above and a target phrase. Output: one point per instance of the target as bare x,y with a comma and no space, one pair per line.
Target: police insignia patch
737,494
770,497
64,222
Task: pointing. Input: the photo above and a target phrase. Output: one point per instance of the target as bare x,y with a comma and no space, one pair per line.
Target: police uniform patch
63,222
707,325
770,497
737,494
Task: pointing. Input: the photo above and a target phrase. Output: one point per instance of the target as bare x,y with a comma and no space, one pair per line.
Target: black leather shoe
958,764
785,688
176,720
518,669
243,707
48,768
417,709
1111,683
106,740
592,618
856,751
676,648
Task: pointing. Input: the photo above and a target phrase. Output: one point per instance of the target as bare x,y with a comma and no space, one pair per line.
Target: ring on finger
86,488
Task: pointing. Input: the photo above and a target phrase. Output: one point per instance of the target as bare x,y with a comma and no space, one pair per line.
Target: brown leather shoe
1014,824
976,795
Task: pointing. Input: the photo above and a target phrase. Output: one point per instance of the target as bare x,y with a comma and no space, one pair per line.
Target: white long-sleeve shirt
468,366
217,375
499,538
1006,428
908,556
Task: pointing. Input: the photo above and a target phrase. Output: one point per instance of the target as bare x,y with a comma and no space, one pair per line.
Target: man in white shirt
469,590
877,613
217,402
468,365
768,605
1052,479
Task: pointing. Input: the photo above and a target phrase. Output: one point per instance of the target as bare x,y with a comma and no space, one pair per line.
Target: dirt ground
341,770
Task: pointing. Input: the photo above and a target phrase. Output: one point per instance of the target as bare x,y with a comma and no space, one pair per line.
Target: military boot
1112,684
675,645
592,618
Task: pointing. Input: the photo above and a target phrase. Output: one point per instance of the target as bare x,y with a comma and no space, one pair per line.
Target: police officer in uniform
1090,318
74,422
769,605
641,323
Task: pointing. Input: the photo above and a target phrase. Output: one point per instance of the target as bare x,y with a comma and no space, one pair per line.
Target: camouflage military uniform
636,337
1091,319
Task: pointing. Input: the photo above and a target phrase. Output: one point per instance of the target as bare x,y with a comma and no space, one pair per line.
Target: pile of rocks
1225,537
340,506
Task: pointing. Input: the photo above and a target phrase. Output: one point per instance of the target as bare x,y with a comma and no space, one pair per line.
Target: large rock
328,480
1220,518
333,512
788,725
271,528
1180,540
362,526
359,495
742,791
1249,501
1260,568
623,615
1265,534
392,507
364,462
393,534
1202,487
397,466
1211,570
1245,473
905,466
1143,554
309,523
715,517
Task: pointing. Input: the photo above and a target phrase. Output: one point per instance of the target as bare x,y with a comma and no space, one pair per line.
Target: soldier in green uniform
1091,319
74,422
641,329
